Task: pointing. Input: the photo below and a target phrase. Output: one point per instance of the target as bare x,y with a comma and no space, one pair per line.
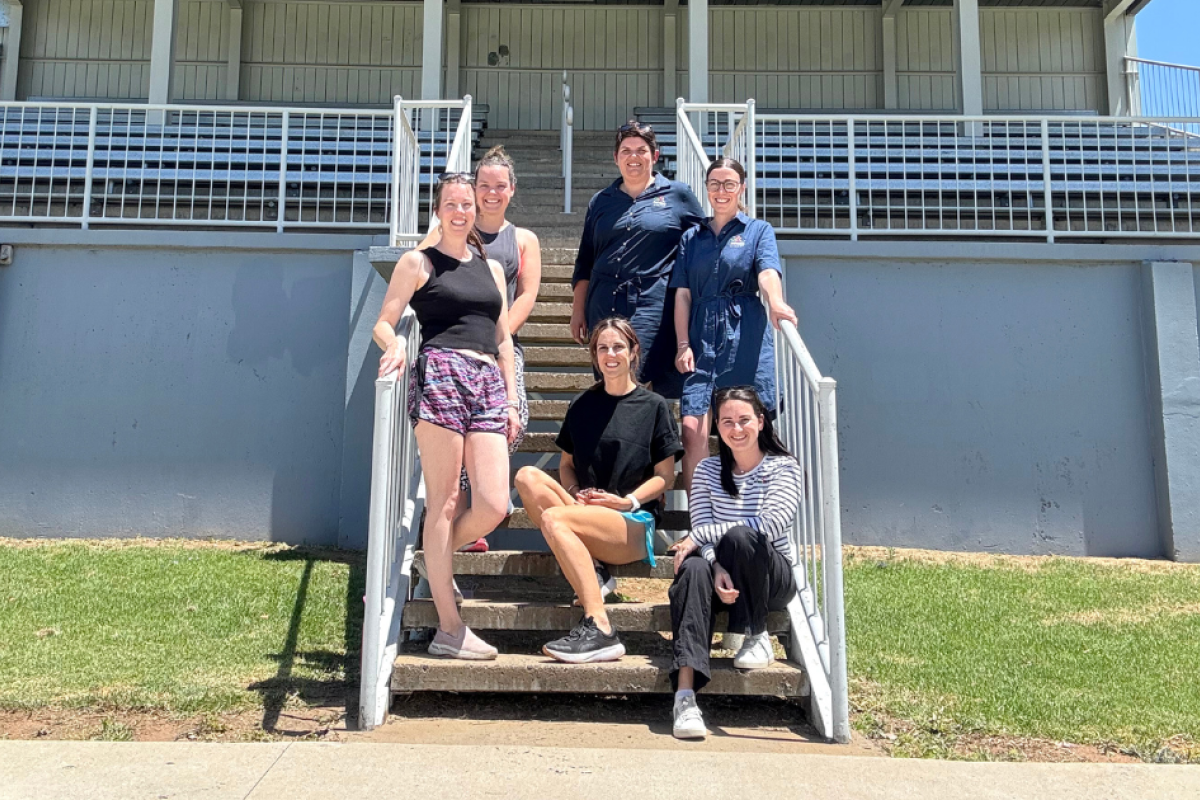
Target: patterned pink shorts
457,392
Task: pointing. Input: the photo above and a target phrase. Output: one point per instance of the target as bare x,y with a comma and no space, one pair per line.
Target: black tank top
459,305
502,247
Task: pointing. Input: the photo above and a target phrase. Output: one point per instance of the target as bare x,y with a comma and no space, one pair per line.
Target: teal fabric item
647,519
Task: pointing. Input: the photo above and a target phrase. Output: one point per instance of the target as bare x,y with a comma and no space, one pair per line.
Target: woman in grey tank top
520,255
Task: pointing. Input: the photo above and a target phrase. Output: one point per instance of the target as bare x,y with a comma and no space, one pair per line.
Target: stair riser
543,565
638,617
671,521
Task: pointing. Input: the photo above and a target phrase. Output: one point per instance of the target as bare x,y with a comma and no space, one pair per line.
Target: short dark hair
634,128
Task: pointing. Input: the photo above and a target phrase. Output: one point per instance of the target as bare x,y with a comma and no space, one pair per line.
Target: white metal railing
1046,177
566,141
397,502
808,426
1163,89
421,125
817,633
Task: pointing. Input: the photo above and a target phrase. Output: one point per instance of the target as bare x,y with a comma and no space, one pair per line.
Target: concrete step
553,473
557,273
539,221
558,381
490,615
564,356
546,332
557,409
555,290
559,254
544,442
582,183
671,521
417,672
550,312
523,563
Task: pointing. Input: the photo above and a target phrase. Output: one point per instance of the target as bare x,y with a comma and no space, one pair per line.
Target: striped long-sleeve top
768,501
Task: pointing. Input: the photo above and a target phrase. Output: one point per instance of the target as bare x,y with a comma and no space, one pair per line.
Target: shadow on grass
276,690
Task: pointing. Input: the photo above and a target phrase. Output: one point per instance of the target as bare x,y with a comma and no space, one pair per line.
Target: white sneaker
756,652
423,571
689,722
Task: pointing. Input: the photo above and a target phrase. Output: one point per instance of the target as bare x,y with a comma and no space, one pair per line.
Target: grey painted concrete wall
986,405
173,392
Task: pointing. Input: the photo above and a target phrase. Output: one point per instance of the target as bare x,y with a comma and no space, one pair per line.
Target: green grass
185,629
1089,652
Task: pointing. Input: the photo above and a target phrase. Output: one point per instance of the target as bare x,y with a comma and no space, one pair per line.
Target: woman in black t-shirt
619,446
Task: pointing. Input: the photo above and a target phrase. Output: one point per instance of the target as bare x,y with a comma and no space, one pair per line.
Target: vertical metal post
397,157
93,112
568,157
1048,194
283,153
850,158
752,158
831,555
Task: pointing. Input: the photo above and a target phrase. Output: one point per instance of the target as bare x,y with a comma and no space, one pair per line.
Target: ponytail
476,241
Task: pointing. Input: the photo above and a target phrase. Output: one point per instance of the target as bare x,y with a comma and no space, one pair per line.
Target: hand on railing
780,311
392,362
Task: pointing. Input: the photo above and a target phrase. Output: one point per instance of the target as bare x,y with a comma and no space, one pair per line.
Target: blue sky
1169,30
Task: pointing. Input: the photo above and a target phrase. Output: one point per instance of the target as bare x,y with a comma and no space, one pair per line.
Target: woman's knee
740,541
694,568
554,524
529,478
693,432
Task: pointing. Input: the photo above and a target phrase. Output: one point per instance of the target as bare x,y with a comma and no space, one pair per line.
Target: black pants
763,578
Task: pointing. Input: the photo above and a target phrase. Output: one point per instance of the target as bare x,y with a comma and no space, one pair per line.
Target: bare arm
505,345
433,237
771,286
407,277
529,280
566,473
685,360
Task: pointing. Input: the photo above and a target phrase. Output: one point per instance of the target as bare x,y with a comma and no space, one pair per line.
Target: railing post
752,157
850,159
568,158
93,112
831,557
1049,198
394,221
283,154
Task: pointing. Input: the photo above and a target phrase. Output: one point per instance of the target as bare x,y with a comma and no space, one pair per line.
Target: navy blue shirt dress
729,332
627,252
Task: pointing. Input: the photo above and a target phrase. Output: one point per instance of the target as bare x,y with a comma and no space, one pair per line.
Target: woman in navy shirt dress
630,237
720,322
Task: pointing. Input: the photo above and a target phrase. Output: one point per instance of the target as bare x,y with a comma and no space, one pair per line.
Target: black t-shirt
616,441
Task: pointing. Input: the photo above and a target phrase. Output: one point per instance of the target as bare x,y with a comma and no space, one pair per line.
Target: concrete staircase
517,598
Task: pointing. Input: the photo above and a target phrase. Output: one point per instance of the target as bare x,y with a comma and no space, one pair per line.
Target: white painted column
12,51
970,59
697,51
891,87
1120,40
453,48
233,56
162,51
670,54
431,51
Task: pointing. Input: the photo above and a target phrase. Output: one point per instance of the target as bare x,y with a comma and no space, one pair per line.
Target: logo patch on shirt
737,241
660,202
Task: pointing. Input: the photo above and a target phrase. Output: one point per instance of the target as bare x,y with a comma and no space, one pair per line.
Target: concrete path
156,771
301,770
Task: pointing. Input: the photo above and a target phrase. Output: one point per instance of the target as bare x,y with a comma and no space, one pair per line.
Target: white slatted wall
613,55
302,51
1042,59
794,57
925,60
201,50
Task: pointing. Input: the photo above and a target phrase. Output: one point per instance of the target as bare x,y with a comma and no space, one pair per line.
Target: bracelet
572,488
636,503
513,404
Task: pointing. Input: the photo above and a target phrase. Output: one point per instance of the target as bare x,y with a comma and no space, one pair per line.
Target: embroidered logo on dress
737,241
660,202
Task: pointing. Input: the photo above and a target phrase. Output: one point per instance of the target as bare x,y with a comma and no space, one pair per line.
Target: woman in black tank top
462,397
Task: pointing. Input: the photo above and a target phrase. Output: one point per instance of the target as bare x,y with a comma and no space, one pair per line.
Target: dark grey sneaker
585,644
606,582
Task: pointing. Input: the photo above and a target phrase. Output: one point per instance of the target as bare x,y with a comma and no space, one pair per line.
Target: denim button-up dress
728,331
627,252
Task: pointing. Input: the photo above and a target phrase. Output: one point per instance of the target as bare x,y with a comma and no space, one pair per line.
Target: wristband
683,345
634,500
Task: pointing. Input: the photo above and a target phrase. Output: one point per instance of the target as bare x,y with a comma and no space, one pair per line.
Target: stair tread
558,382
527,615
633,674
535,564
557,409
571,356
546,332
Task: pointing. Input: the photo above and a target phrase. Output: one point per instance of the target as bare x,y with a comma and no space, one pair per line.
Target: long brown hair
728,163
768,441
626,332
474,240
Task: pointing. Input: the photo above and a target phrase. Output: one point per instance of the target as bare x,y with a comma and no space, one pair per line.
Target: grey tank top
502,247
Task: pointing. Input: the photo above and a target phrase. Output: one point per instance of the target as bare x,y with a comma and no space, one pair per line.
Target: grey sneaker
423,571
756,652
466,646
607,583
689,722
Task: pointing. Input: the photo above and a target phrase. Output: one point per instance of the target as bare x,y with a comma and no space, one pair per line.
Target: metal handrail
566,142
397,502
1163,88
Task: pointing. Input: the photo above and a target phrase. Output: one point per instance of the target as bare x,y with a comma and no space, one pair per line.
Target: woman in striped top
738,554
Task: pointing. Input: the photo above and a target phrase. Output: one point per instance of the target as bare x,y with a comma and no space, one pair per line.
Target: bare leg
486,458
539,491
441,460
686,679
576,534
695,445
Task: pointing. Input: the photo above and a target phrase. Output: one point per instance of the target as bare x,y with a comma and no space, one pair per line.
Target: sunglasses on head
446,177
635,127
